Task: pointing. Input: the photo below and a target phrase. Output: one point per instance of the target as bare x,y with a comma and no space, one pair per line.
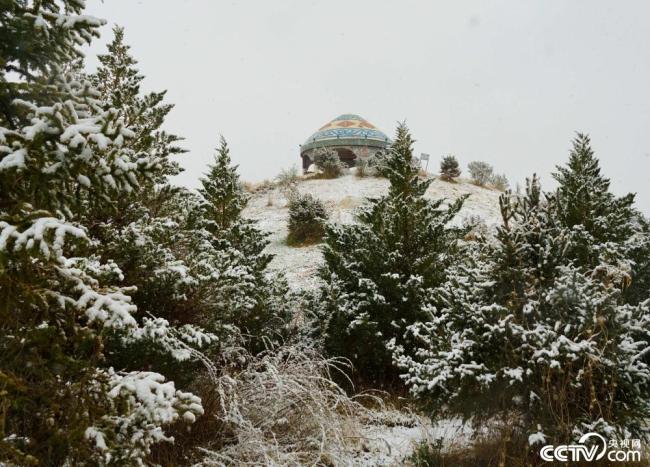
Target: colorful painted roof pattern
348,126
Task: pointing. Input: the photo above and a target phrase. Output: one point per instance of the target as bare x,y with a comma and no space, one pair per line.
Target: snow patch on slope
393,440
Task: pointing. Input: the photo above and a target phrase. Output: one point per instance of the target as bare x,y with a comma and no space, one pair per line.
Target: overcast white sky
508,82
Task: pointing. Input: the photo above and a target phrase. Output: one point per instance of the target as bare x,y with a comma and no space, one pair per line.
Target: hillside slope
341,197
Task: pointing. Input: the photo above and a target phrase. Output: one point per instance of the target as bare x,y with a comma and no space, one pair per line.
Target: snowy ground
341,197
393,439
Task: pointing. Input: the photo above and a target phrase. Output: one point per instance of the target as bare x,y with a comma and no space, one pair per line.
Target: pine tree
379,272
601,223
118,81
222,191
145,230
245,295
61,151
449,168
610,235
524,335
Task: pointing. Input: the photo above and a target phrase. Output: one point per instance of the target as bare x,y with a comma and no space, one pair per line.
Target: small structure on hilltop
351,136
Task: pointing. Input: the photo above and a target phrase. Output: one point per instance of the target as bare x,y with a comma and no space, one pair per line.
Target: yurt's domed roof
348,130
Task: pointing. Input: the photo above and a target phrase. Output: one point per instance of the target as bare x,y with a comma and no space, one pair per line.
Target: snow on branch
47,234
143,403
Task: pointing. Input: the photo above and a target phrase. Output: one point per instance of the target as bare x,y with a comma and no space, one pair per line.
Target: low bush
362,168
328,163
307,218
287,179
500,182
480,172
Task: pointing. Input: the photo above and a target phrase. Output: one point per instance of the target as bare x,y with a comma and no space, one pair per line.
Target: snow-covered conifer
222,190
307,218
118,81
524,335
601,222
328,162
62,151
449,168
244,294
380,271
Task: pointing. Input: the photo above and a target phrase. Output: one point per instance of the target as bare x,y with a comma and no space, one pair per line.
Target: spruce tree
524,335
61,150
610,235
144,230
379,272
118,81
601,223
244,293
222,191
449,168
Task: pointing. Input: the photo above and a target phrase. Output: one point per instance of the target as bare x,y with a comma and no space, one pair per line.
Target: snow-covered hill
391,436
341,197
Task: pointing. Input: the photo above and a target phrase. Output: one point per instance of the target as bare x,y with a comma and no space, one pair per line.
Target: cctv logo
581,452
575,452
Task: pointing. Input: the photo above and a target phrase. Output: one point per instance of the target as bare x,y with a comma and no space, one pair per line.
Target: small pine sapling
449,168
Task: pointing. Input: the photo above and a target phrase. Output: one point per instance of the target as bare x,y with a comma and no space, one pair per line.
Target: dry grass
304,242
259,187
348,202
282,408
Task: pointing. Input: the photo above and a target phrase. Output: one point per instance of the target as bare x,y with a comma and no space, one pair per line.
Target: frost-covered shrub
480,172
362,168
371,165
476,227
377,161
328,162
287,179
282,408
449,168
499,181
307,219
